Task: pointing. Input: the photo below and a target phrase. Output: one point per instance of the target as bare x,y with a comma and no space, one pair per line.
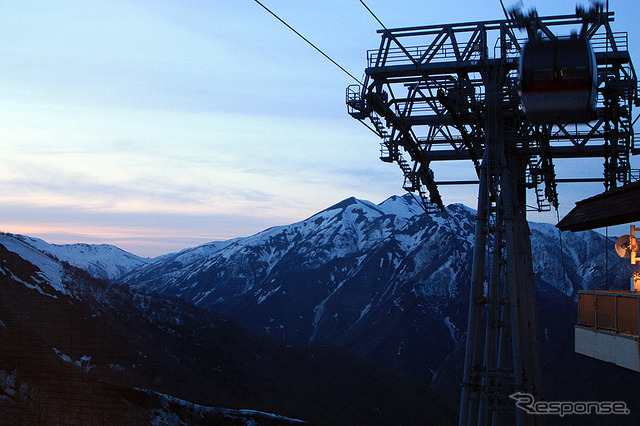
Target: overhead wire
374,15
564,272
308,42
606,260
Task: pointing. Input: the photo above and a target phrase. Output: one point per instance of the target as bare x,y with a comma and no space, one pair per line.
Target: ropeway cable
374,15
564,272
308,42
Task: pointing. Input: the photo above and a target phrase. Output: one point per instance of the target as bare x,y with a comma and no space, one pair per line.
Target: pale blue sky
160,125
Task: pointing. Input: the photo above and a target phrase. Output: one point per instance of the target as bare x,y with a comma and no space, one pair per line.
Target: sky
161,125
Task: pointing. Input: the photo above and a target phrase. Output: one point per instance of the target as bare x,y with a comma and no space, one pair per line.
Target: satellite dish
626,245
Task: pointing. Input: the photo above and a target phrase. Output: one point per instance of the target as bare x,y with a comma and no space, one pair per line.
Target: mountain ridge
372,278
90,351
390,283
100,260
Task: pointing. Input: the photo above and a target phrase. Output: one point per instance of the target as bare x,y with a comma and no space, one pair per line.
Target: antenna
627,247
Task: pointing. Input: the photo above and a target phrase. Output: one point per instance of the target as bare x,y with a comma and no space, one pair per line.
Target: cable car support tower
455,92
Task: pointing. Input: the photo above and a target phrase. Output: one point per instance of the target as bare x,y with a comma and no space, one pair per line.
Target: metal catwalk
454,92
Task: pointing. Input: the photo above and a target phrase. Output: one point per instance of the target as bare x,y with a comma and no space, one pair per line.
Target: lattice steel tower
455,92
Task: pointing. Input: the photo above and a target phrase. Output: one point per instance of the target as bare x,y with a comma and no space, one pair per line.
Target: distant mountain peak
346,203
51,273
405,206
100,260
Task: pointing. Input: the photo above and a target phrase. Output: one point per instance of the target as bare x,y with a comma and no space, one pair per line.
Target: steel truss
450,92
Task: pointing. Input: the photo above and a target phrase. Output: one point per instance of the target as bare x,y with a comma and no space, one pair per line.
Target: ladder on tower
388,150
411,179
535,180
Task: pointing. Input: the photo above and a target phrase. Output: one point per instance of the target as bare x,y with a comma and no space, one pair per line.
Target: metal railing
412,54
614,311
407,55
601,43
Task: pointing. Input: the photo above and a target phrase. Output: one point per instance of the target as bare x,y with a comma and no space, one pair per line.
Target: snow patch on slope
51,271
100,260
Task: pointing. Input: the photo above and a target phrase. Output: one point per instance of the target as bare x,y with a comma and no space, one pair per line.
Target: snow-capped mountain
350,228
386,281
100,260
77,350
47,272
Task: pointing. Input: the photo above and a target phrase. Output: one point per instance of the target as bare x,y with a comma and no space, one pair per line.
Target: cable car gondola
558,80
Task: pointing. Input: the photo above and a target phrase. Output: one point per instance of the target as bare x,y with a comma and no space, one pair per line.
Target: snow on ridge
190,255
404,207
349,211
84,362
545,228
371,205
453,330
461,206
346,205
346,228
51,271
101,260
268,294
163,414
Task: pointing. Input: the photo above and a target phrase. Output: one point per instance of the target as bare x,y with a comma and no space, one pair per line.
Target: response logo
527,402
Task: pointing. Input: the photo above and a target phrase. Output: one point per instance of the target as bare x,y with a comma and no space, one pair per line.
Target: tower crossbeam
454,92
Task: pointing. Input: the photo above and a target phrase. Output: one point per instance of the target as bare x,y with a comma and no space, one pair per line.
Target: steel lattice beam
412,65
450,92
